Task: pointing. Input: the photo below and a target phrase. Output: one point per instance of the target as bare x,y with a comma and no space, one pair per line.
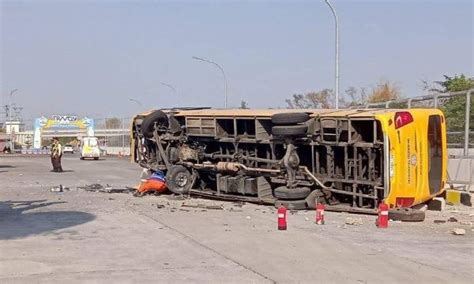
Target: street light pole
223,74
169,86
337,53
135,101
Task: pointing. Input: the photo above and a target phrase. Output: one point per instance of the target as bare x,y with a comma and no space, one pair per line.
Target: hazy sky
90,57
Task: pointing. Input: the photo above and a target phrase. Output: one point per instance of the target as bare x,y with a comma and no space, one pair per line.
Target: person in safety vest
56,154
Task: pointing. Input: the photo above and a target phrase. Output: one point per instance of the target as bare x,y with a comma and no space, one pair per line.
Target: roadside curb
457,197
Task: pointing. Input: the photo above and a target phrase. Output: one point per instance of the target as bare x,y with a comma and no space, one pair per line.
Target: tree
353,97
320,99
384,91
113,123
243,105
454,84
454,108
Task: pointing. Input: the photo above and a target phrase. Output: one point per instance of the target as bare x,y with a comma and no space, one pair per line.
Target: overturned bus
349,159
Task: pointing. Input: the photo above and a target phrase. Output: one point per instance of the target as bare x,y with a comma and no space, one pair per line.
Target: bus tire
291,204
289,118
296,193
179,180
316,196
289,130
148,124
406,215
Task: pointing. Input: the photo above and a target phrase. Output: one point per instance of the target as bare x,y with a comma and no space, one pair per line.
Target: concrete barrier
124,151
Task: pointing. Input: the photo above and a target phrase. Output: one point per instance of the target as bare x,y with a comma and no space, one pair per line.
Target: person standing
56,154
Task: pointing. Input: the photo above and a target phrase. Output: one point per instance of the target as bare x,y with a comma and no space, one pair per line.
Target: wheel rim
181,179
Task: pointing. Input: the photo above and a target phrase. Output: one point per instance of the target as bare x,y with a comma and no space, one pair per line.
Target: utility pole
12,143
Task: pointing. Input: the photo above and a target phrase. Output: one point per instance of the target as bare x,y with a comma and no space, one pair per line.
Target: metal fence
114,134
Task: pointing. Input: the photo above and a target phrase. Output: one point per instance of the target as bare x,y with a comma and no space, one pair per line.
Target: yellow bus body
409,157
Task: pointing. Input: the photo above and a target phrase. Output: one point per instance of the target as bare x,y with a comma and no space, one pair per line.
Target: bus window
435,153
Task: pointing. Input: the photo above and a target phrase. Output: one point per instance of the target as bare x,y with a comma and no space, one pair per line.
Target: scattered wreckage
350,160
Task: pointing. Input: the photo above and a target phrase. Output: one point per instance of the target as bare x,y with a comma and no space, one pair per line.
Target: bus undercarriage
288,158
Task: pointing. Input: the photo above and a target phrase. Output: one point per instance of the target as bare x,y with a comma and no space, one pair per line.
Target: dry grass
384,91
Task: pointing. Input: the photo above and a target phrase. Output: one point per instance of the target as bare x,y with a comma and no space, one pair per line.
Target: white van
90,148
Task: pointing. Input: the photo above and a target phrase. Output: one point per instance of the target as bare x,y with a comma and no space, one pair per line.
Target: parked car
68,149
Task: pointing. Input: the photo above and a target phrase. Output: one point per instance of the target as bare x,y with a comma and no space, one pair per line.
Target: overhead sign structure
59,122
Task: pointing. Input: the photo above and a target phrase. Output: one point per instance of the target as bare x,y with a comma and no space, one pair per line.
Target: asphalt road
81,236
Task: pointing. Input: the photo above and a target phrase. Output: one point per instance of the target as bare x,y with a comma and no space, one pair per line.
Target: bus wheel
148,124
406,215
296,193
289,118
315,197
179,180
291,204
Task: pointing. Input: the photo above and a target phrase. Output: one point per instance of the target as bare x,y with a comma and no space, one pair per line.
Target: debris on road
59,188
239,204
97,187
422,207
120,190
452,219
355,221
203,206
459,232
437,204
439,221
